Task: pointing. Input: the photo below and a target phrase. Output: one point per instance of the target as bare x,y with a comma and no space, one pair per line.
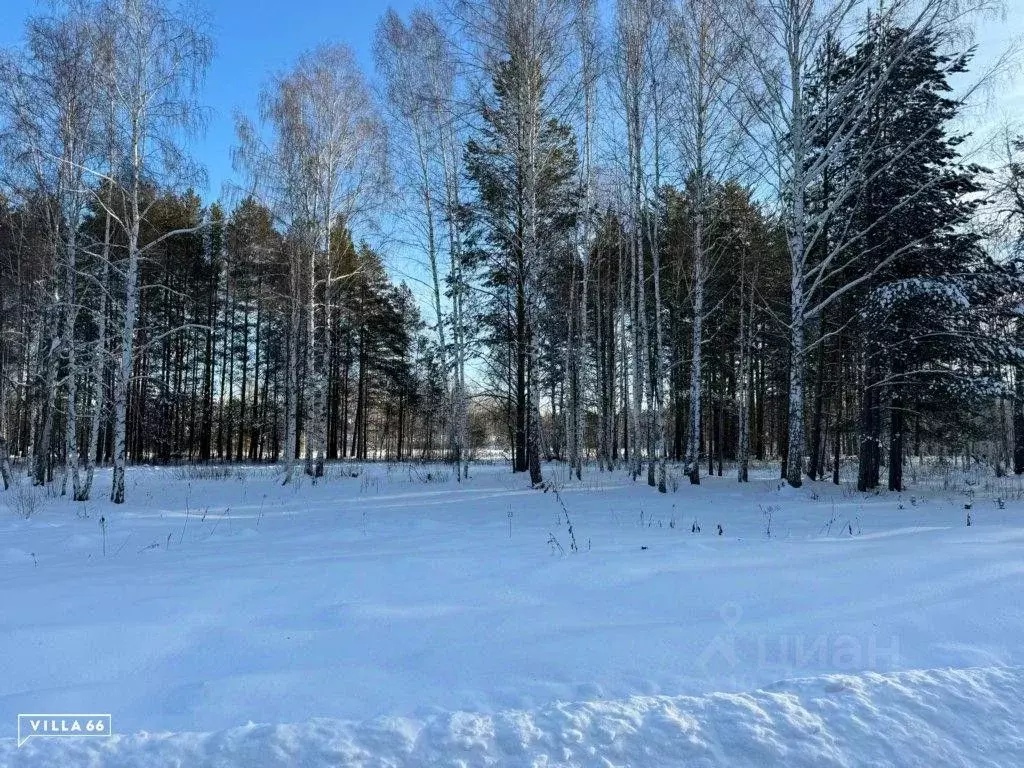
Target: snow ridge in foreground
948,717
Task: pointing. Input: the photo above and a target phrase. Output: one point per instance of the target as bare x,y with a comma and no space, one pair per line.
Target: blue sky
257,37
253,39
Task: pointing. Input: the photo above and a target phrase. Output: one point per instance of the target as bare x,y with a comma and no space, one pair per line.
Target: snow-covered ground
391,616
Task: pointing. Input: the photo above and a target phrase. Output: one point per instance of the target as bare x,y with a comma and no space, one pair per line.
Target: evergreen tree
517,279
922,352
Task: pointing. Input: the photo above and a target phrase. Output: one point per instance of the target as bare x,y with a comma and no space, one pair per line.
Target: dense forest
669,237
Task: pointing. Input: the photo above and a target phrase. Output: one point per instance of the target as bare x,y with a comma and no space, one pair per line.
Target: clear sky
253,38
257,37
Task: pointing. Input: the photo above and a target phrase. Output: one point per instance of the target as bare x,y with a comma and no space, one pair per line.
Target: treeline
208,379
699,232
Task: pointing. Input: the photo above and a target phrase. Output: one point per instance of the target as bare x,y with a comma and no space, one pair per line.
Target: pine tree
502,229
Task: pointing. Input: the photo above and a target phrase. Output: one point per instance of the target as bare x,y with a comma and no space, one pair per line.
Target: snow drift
966,717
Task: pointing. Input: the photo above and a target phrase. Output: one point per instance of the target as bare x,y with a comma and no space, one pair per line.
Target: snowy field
389,616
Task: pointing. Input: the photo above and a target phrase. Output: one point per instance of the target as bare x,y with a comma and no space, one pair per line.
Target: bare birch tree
323,166
97,366
158,59
708,52
641,88
52,98
588,46
782,42
420,77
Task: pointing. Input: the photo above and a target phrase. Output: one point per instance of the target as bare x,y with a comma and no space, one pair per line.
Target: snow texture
391,616
968,717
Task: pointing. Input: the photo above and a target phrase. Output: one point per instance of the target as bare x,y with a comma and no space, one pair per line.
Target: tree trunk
533,429
745,383
814,468
795,424
868,464
242,413
291,416
799,145
896,421
122,374
97,372
691,463
71,372
5,464
206,423
521,400
838,446
49,346
1018,421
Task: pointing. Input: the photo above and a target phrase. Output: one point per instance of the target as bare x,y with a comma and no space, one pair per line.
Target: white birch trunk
71,372
692,458
530,104
5,464
658,456
123,371
292,380
638,300
48,358
798,259
580,350
320,434
97,368
311,400
743,428
628,419
460,404
448,385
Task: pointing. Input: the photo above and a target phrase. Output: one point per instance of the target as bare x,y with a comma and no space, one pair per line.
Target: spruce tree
921,353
